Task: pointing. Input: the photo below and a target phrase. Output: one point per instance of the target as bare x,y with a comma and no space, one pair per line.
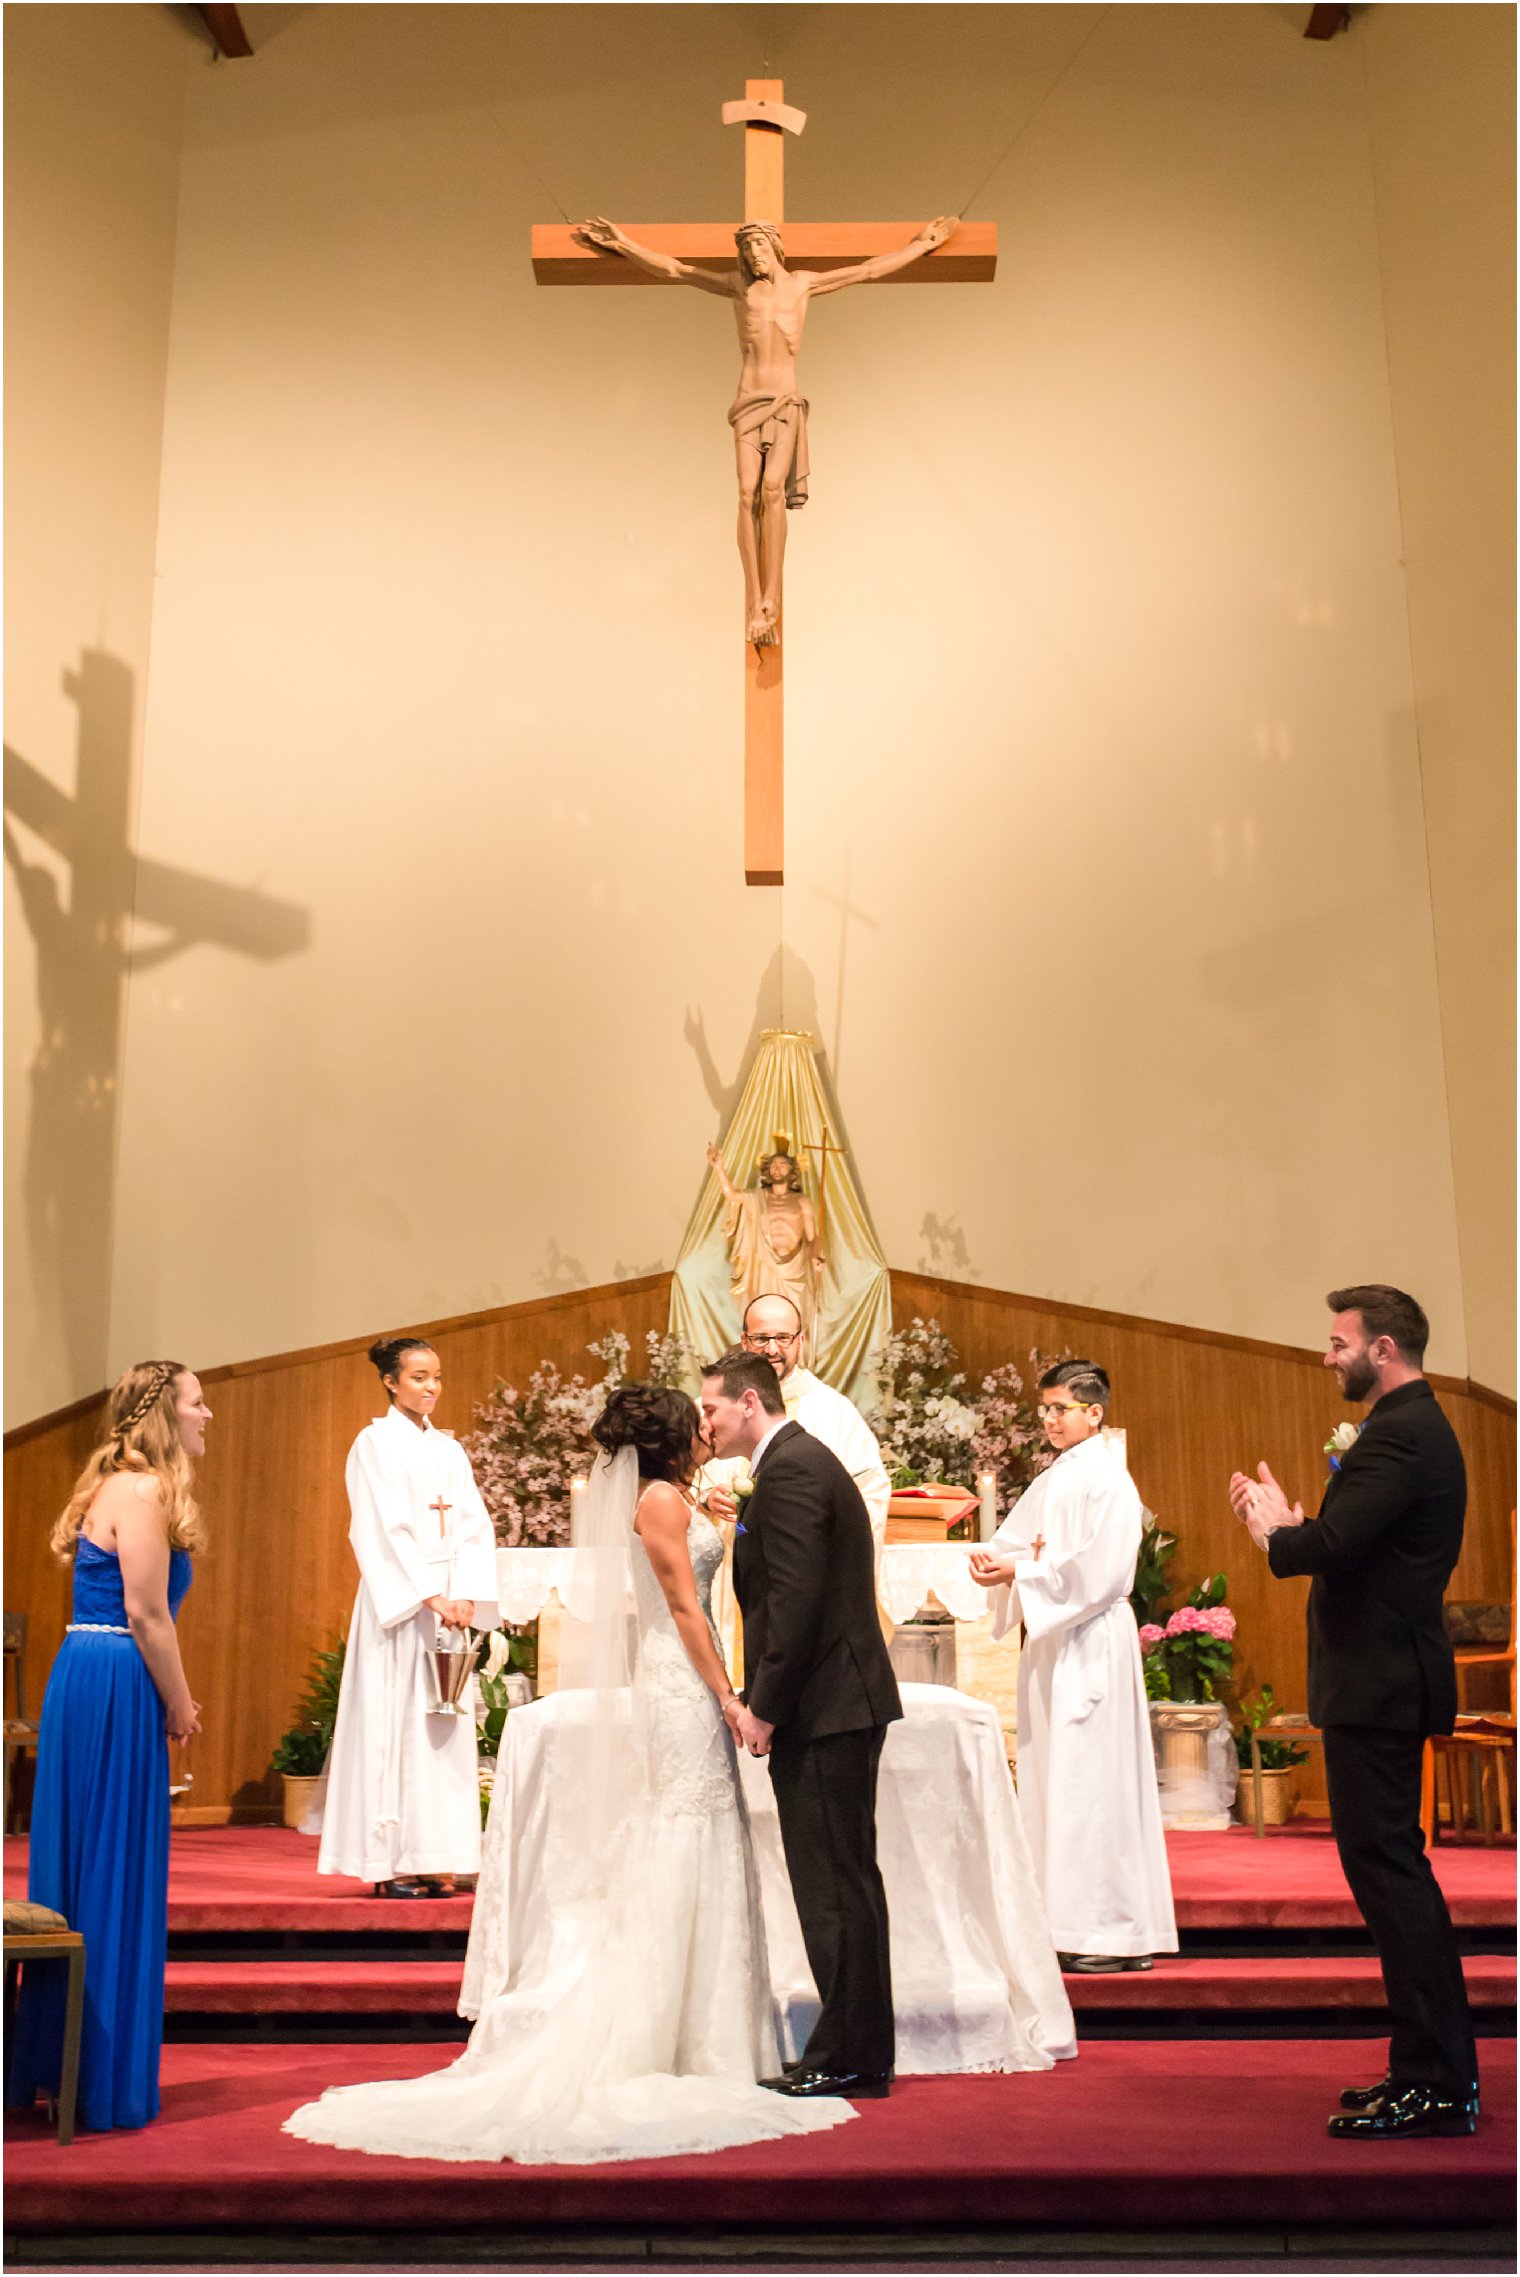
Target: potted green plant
508,1670
302,1750
1278,1758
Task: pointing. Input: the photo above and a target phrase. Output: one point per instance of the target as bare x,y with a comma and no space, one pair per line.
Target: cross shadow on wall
85,945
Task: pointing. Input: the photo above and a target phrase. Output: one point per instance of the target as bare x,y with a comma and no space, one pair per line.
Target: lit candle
579,1488
986,1487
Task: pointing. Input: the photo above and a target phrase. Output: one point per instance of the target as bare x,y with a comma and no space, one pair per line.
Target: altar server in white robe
402,1803
1064,1559
773,1328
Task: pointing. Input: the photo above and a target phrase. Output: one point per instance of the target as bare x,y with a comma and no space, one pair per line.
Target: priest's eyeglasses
759,1343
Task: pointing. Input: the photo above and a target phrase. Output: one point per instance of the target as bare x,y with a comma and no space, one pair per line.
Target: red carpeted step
1132,2133
1318,1980
263,1880
320,1988
431,1988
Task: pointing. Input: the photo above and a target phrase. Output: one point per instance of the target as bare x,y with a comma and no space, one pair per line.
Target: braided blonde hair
142,1436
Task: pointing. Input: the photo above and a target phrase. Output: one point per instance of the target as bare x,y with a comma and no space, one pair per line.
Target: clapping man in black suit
818,1698
1381,1677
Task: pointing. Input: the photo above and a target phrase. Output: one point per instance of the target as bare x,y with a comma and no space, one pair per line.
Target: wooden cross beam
562,257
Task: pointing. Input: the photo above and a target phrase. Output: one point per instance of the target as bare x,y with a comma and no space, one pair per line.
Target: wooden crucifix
443,1508
769,415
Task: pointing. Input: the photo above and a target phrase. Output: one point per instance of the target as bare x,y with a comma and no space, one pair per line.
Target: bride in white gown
662,2024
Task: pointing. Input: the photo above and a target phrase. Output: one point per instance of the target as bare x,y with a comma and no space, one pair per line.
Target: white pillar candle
986,1487
579,1488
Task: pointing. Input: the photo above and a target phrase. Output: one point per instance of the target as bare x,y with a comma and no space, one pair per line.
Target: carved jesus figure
768,416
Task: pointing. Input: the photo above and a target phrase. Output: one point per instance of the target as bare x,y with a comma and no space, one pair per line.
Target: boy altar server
402,1801
1086,1774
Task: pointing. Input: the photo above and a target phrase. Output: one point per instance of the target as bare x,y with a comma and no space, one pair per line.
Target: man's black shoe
1363,2098
854,2086
1407,2111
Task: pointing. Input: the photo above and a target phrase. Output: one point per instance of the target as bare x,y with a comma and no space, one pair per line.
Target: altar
911,1578
976,1983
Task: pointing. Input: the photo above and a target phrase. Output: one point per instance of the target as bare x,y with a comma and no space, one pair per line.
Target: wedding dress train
640,2019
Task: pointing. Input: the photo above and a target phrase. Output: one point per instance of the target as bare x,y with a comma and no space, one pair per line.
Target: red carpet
264,1878
1131,2133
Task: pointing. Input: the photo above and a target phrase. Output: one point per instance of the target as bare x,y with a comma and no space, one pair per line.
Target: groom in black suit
1381,1677
819,1695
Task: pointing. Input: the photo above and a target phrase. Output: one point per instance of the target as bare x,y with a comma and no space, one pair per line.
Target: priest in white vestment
773,1328
402,1802
1064,1559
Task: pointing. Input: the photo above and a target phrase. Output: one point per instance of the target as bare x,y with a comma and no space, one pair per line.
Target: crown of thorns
148,1398
765,229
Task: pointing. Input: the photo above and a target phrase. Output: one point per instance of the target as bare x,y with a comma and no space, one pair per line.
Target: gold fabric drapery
785,1096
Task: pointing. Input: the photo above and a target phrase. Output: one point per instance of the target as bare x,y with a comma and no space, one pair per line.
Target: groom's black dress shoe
1363,2098
1408,2111
854,2086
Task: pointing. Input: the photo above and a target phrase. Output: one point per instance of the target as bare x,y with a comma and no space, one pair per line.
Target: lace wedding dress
639,2019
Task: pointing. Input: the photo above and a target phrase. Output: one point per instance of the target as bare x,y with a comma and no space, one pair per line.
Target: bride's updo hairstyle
387,1355
659,1423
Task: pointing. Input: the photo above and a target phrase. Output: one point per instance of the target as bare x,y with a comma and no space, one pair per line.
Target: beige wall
93,111
1101,709
1442,85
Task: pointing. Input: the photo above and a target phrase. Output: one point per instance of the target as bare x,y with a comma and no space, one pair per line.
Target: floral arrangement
931,1426
1193,1653
528,1445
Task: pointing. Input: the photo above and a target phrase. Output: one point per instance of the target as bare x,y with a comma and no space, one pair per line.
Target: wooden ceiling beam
226,27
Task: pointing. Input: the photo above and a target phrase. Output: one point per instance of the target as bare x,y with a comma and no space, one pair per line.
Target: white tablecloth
974,1974
905,1574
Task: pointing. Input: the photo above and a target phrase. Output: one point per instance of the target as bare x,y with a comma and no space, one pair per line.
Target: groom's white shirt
780,1424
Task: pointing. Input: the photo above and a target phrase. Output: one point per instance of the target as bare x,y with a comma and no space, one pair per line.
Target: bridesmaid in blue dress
100,1808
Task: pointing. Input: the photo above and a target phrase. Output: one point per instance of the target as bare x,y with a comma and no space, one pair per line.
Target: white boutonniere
743,1485
1341,1441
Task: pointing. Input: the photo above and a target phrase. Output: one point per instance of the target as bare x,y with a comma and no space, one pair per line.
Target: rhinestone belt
97,1629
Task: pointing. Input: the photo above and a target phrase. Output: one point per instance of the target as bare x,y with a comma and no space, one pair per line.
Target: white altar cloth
905,1574
974,1975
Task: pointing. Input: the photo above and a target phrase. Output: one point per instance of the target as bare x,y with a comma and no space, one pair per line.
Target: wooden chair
20,1728
1469,1656
36,1933
1465,1757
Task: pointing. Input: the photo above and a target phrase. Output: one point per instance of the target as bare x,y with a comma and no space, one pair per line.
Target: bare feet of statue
762,631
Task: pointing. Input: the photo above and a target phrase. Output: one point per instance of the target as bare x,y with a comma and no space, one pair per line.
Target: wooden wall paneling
41,1466
278,1579
1196,1407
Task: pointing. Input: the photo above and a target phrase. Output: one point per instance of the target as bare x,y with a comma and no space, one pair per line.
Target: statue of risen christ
768,416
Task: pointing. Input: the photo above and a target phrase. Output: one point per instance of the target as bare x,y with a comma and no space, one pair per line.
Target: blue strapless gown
100,1857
